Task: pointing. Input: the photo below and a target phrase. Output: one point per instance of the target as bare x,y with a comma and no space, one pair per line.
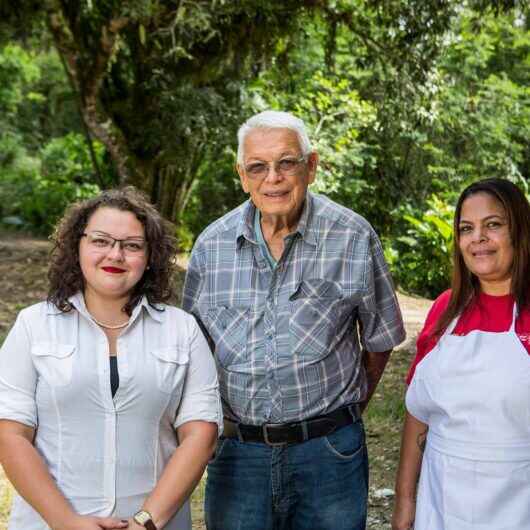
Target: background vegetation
407,101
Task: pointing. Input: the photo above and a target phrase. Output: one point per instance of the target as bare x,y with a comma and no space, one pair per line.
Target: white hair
273,119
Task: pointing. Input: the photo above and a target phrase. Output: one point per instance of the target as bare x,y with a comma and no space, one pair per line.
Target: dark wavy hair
64,273
465,286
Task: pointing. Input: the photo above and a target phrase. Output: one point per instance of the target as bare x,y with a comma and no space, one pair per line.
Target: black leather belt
292,433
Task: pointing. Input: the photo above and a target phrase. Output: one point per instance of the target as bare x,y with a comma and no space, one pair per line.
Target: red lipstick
113,270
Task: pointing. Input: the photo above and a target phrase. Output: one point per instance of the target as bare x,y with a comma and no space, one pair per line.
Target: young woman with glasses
109,406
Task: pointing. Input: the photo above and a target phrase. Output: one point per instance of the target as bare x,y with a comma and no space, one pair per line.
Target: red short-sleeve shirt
487,313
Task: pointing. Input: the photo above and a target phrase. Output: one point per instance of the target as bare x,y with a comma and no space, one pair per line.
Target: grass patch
6,495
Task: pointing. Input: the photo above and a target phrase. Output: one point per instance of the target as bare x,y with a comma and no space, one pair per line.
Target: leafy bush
35,192
17,70
420,247
68,158
420,258
216,191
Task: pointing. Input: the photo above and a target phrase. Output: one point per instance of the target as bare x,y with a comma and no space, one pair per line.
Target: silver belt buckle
264,429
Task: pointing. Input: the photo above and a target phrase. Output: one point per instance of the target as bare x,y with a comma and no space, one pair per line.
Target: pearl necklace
107,326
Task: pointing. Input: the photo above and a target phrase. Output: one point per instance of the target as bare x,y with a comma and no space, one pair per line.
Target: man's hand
404,512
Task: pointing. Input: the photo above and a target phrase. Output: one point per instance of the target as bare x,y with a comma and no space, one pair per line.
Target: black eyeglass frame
121,242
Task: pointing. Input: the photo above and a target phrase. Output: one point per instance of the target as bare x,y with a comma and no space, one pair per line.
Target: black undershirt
114,375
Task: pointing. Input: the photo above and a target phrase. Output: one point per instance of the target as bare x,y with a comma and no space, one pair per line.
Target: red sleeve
426,342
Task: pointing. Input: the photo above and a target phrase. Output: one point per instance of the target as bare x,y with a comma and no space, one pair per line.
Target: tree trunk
87,77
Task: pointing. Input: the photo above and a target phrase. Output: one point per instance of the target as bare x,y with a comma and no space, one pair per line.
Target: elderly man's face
281,191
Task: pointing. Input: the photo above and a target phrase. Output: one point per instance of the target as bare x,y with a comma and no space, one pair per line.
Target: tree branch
88,78
88,138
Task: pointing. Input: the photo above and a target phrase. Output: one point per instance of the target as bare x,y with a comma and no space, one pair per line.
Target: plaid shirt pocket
228,328
314,317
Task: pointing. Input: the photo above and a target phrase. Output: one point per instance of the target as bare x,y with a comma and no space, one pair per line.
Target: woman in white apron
467,424
109,403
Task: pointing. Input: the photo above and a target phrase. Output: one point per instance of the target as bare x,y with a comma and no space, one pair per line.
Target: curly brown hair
65,275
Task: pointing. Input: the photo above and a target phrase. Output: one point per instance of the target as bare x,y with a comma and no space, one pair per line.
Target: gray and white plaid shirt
287,340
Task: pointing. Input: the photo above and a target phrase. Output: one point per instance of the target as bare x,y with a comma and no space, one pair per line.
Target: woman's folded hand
404,511
87,522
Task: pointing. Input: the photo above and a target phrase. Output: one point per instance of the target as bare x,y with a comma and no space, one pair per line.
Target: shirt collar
245,228
52,309
156,313
78,302
306,227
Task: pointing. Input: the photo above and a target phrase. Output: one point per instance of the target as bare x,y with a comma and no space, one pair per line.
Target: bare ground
23,263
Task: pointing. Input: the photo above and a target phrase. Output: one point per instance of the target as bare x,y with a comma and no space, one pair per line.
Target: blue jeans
321,484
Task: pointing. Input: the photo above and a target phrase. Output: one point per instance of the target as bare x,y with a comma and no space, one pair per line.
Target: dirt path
23,264
414,309
22,276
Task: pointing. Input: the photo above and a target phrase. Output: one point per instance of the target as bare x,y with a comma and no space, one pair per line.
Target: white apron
474,393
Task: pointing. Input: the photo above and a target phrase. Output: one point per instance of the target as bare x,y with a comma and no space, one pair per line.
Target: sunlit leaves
17,71
421,251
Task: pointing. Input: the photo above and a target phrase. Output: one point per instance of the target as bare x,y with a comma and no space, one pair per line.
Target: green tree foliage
158,82
368,79
43,167
17,71
35,190
415,117
420,255
476,125
481,114
36,102
357,73
406,99
339,118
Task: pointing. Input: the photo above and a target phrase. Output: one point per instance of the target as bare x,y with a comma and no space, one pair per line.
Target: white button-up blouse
105,454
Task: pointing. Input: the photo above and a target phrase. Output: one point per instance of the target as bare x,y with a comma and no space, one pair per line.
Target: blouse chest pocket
171,364
54,362
314,318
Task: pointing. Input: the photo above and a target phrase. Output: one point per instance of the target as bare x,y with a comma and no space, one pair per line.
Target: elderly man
295,296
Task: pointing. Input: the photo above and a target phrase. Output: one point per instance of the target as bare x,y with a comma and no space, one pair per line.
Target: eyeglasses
286,167
132,246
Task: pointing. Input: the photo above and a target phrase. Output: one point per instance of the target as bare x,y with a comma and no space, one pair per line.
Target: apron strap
514,317
452,325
